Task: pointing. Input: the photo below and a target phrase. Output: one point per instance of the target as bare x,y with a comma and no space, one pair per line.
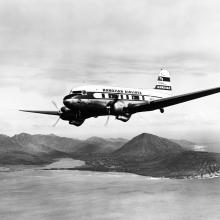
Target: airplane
93,101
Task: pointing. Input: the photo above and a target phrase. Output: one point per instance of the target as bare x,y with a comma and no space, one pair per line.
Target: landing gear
123,118
161,110
76,123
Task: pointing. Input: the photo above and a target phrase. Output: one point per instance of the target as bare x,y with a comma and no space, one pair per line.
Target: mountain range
28,149
145,154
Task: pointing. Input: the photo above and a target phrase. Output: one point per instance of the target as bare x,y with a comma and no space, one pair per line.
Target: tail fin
163,81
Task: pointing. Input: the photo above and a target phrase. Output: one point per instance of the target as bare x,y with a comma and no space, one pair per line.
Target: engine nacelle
74,117
119,108
64,109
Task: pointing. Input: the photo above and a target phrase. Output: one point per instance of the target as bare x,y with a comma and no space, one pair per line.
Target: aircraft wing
42,112
173,100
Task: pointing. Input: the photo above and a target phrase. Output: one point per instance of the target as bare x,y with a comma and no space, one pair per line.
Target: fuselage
92,100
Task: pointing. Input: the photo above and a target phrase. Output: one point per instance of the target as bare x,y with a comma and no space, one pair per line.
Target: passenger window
145,98
112,96
97,95
134,97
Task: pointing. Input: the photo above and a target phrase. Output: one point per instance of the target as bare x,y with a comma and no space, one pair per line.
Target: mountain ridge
42,146
145,154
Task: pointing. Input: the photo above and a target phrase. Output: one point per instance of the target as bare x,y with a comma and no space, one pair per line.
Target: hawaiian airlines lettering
122,91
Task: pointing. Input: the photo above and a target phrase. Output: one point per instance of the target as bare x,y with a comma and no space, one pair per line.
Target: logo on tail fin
163,81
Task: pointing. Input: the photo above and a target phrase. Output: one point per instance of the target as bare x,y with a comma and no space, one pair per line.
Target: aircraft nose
67,101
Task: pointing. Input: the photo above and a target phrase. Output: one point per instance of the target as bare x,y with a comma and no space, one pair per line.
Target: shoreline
205,176
109,164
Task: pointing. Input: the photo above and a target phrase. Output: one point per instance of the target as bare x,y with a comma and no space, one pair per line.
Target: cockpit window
79,92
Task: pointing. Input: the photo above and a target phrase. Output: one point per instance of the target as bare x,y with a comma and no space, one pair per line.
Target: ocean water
64,194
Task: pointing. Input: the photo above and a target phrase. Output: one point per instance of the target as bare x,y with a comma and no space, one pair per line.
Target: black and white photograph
110,109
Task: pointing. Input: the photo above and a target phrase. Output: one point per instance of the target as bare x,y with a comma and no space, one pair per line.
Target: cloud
48,47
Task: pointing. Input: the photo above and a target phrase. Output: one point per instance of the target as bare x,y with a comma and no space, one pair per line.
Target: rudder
163,81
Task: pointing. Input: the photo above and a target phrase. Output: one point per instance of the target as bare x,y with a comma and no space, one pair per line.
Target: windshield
76,92
79,92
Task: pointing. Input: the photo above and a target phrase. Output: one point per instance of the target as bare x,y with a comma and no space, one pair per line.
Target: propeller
109,106
54,125
55,104
109,111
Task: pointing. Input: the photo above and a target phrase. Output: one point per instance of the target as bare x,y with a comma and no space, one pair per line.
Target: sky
48,47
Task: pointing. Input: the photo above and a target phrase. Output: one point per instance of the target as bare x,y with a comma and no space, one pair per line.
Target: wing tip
23,110
41,112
